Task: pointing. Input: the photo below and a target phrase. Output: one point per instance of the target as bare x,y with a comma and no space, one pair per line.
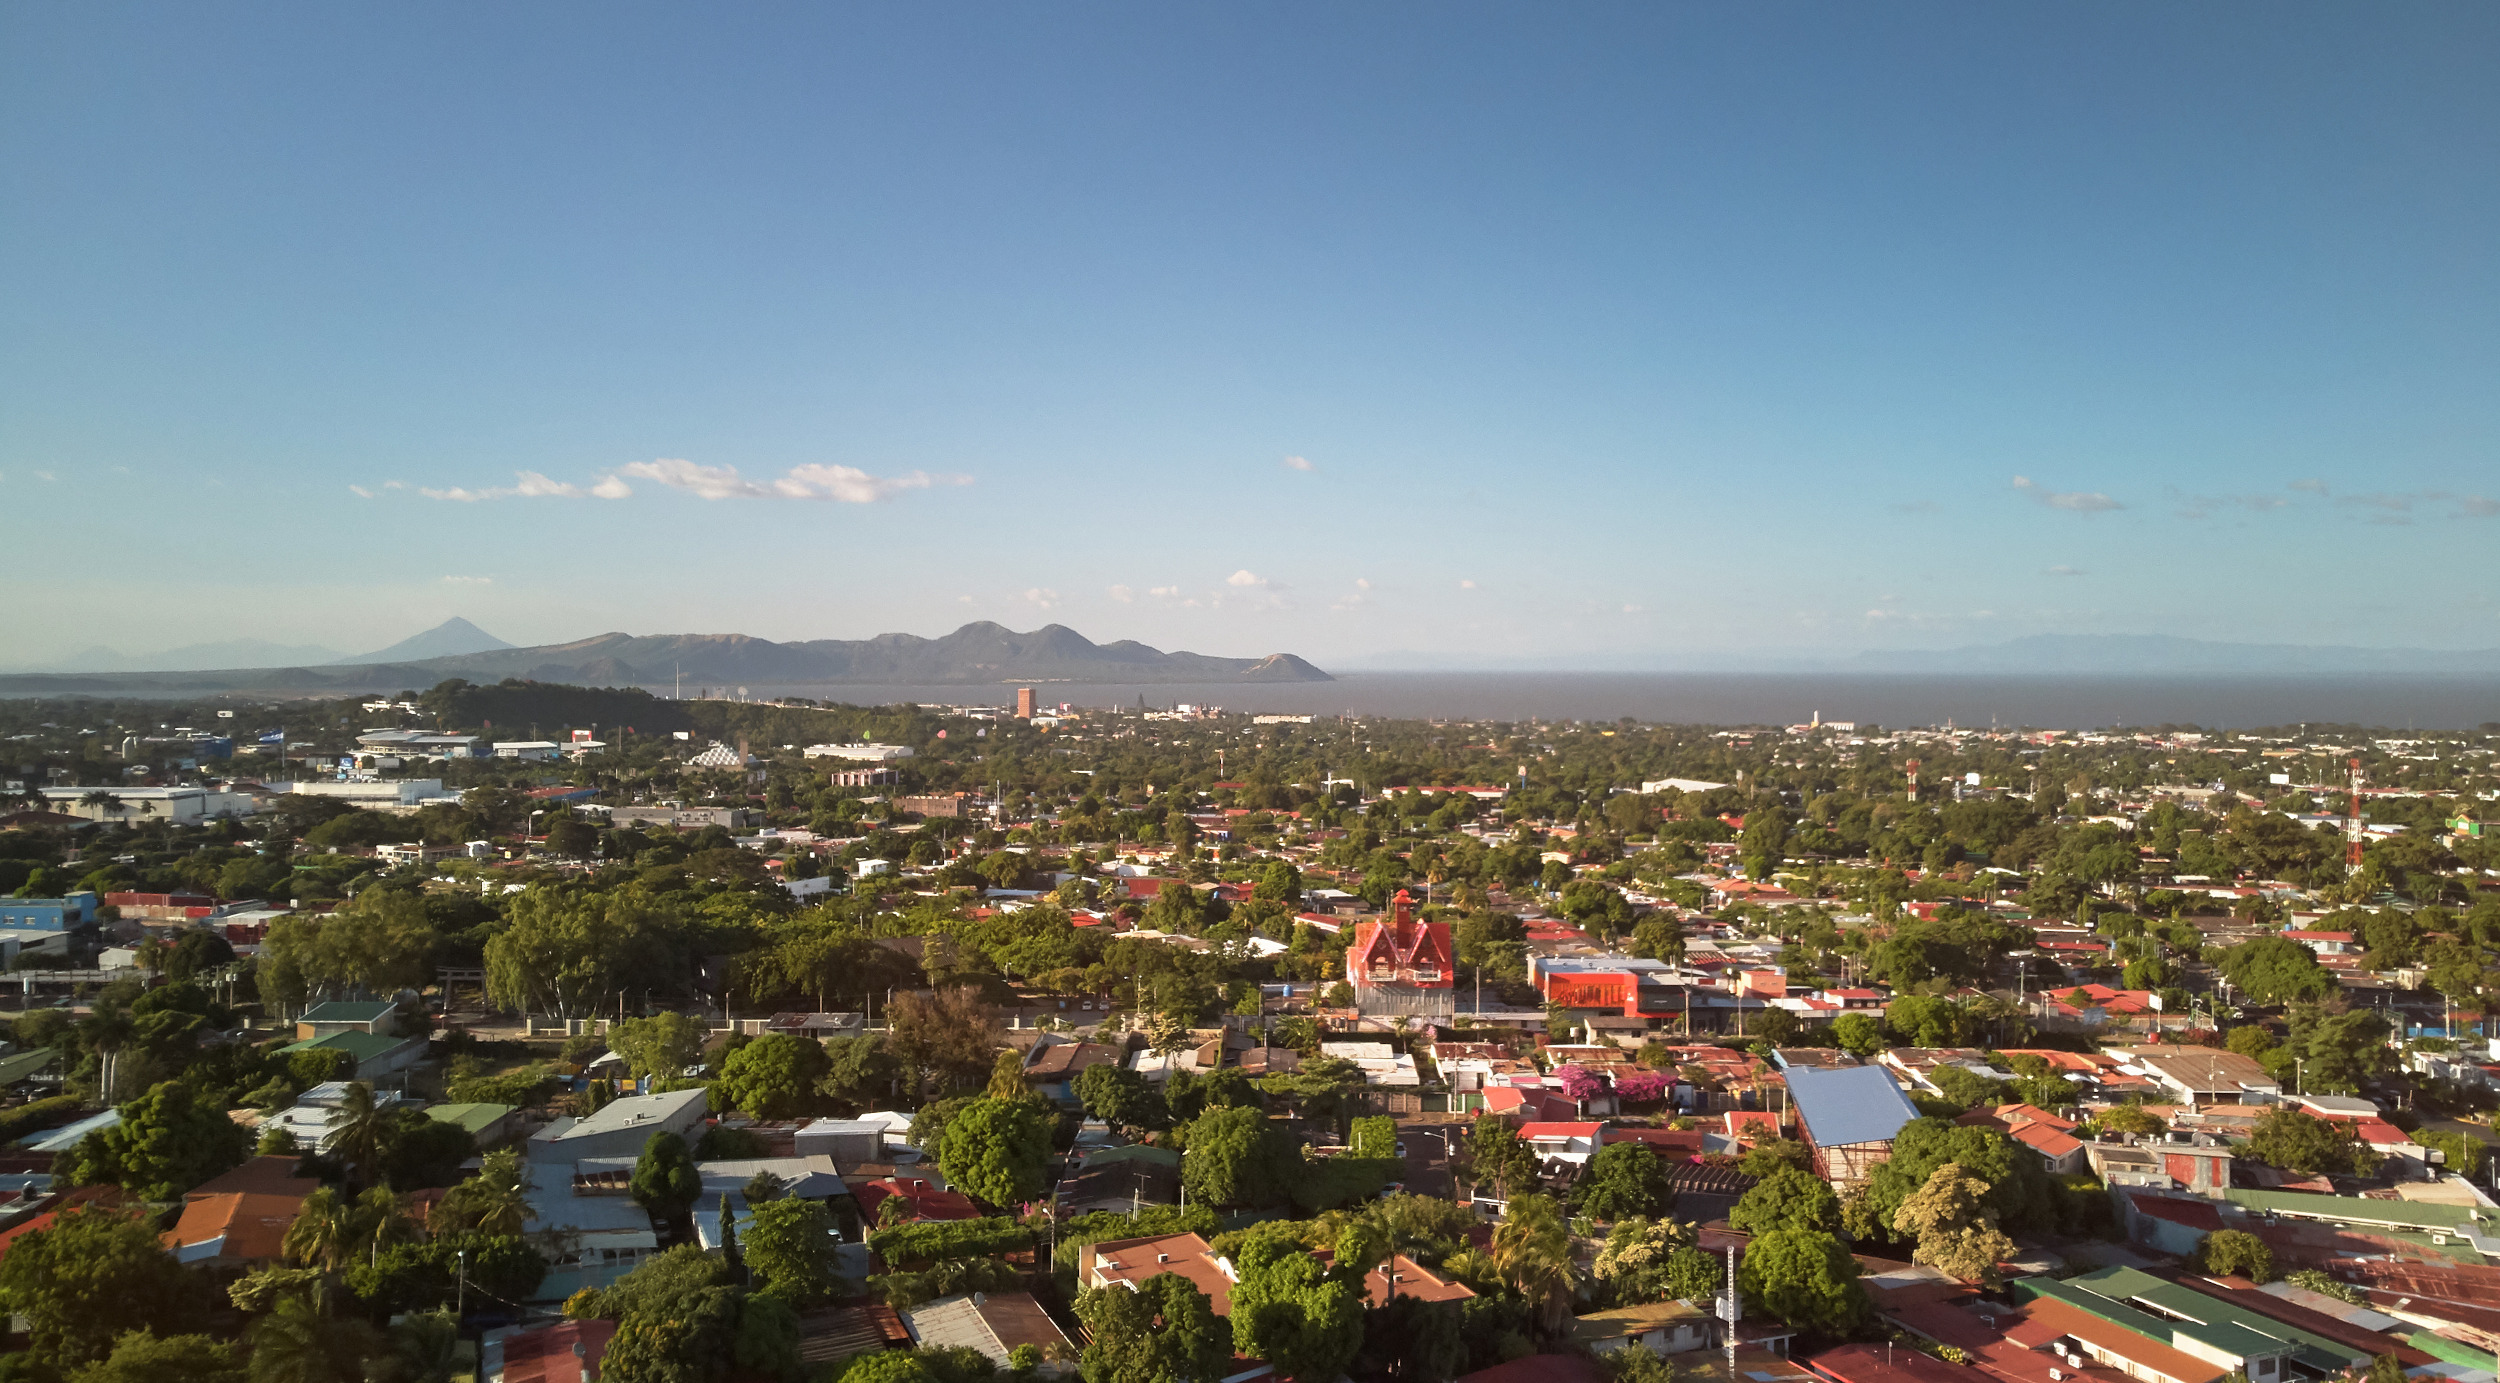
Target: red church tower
1402,966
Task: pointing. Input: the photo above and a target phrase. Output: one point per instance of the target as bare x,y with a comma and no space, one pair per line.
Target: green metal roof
2166,1299
2232,1341
476,1118
2454,1351
2356,1210
18,1067
364,1046
347,1011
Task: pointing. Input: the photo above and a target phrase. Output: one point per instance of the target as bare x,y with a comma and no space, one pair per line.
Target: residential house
1136,1260
2205,1075
1382,1063
566,1352
1401,1276
372,1017
375,1055
1574,1143
1122,1179
993,1324
239,1218
1661,1327
847,1141
2046,1134
920,1199
621,1127
1052,1067
489,1124
1917,1066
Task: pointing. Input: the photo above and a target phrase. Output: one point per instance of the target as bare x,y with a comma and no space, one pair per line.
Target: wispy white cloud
2478,506
1123,594
468,581
2206,506
1042,597
2073,501
1632,609
1298,463
1165,592
1249,580
360,492
2309,487
528,485
1362,583
2066,571
840,484
1468,585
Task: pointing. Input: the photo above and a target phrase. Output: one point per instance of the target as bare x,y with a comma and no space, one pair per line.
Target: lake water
1905,699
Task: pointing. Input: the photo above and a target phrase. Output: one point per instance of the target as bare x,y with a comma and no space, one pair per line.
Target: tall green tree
1532,1250
2273,970
1236,1157
1290,1311
91,1277
1955,1230
1804,1278
1623,1181
998,1150
1788,1199
665,1182
1497,1157
663,1045
789,1247
1166,1331
775,1076
564,948
167,1142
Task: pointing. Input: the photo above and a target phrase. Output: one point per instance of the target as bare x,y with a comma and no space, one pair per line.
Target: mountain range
2128,655
982,654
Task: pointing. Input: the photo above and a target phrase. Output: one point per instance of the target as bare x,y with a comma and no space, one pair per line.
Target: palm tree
1532,1247
323,1235
103,800
424,1348
361,1131
502,1200
295,1343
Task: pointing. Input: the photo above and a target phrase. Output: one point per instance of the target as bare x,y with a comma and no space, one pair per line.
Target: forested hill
980,654
514,708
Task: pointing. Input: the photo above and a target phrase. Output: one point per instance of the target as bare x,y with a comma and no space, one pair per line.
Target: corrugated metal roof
1855,1104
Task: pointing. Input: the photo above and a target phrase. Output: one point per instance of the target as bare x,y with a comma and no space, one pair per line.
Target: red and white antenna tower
2352,824
1913,780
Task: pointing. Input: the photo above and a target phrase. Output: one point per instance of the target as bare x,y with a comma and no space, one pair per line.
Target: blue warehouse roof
1854,1104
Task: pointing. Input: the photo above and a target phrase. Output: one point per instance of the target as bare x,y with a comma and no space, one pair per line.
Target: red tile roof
251,1224
926,1201
545,1355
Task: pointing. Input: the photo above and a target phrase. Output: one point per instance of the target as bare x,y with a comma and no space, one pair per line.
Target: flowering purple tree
1579,1083
1640,1087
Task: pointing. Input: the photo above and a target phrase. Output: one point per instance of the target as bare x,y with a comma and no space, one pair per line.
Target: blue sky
1593,336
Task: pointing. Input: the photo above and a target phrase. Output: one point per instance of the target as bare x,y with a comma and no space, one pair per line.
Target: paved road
1428,1156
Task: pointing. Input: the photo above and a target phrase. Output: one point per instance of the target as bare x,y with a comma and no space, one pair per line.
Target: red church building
1402,966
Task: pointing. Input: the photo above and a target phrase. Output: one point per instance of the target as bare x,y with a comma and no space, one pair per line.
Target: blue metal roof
1851,1105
